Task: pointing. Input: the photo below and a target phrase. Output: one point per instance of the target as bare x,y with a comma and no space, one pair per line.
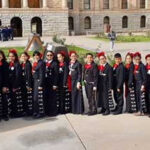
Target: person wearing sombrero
15,73
105,78
38,71
140,83
74,83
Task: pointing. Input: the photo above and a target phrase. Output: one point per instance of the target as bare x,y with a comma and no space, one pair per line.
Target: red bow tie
128,66
61,64
148,67
48,64
11,64
101,68
116,66
1,63
88,66
136,68
34,66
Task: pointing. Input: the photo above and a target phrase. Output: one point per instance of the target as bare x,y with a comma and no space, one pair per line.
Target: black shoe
114,110
106,113
117,113
6,118
39,116
91,113
102,111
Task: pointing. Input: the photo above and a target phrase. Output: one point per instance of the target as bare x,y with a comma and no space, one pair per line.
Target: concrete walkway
84,42
76,132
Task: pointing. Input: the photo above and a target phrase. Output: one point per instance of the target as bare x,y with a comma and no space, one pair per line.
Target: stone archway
36,25
16,24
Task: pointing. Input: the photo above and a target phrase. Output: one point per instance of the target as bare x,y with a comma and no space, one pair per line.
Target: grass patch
125,39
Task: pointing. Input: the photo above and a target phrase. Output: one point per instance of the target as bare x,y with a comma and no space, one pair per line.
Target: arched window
106,4
87,4
34,3
142,3
16,24
87,23
106,20
70,4
143,21
124,4
125,22
14,3
71,23
36,25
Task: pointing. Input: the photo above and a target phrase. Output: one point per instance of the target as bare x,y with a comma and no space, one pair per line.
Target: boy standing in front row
90,77
118,81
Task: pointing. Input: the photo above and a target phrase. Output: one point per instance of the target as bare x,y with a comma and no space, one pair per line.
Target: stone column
64,4
5,4
45,4
25,3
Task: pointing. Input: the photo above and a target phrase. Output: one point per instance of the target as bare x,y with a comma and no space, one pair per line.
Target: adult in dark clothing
90,77
105,78
27,83
15,73
3,87
148,81
129,84
51,84
38,71
74,84
140,82
118,82
62,83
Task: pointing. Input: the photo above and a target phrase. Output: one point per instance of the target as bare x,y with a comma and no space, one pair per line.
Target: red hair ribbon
14,51
72,52
101,54
130,54
147,56
137,54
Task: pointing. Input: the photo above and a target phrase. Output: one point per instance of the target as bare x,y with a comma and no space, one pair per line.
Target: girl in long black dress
38,71
15,73
129,90
140,82
62,84
51,84
4,101
74,84
27,83
148,81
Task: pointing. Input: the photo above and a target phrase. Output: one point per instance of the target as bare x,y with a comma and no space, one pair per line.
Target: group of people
53,85
6,33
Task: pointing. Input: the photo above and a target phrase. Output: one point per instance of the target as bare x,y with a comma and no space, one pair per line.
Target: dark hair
87,54
25,53
117,55
16,56
3,55
36,53
50,52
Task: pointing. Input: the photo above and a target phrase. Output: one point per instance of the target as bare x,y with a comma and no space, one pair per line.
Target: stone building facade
49,17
